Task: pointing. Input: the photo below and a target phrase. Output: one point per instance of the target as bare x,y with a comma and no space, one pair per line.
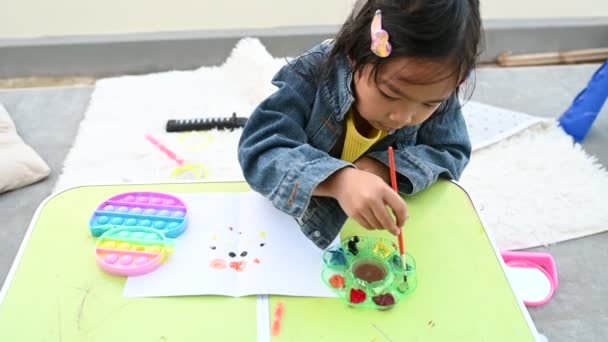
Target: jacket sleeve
442,149
275,156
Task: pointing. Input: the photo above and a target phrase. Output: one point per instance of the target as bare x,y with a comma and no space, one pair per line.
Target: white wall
39,18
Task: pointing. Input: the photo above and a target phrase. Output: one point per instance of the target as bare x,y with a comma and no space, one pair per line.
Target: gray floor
543,91
579,308
48,120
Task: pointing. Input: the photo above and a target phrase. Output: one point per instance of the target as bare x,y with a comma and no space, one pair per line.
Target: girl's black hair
442,30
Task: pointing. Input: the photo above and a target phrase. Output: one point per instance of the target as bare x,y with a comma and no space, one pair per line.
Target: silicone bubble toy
368,272
155,210
131,251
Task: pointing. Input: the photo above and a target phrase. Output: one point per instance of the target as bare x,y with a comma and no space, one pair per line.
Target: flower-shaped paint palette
368,272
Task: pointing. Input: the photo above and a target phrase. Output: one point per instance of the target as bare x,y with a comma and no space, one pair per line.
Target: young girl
317,147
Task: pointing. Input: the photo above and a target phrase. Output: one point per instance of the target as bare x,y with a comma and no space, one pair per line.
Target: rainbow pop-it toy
163,212
131,251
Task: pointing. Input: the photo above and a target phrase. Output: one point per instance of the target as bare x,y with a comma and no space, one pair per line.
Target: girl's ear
465,78
350,61
353,65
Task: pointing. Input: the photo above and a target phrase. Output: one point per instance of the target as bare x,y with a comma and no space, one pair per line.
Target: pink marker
278,317
164,149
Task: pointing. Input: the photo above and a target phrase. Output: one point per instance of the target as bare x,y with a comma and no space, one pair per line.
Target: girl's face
394,102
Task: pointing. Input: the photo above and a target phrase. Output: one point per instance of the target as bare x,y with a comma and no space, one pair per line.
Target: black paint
352,245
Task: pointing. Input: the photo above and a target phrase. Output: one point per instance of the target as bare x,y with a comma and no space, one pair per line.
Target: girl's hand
365,197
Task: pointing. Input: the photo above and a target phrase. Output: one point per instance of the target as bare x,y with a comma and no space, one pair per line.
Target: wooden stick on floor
545,58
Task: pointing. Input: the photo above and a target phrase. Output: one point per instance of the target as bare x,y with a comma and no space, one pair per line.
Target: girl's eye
433,106
386,96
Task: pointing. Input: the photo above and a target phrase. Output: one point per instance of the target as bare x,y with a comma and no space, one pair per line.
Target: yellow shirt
356,144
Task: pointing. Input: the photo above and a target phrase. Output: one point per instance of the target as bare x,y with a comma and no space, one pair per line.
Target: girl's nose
401,118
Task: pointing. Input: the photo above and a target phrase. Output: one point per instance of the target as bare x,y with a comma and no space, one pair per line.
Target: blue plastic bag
579,118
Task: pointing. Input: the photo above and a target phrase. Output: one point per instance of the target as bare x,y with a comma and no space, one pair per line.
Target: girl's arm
442,149
273,151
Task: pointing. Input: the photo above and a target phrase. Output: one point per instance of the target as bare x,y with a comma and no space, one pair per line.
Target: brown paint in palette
369,270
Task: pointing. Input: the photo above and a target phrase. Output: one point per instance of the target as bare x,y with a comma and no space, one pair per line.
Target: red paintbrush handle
391,164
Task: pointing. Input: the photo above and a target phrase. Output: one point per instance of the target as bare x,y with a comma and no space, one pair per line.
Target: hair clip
380,45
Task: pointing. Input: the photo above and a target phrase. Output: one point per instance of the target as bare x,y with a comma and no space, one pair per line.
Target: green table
56,292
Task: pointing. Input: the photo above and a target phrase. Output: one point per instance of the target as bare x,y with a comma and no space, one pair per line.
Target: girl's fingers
370,216
398,206
363,222
384,218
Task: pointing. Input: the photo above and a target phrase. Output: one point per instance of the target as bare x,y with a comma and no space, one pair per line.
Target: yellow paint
198,170
206,140
382,249
262,234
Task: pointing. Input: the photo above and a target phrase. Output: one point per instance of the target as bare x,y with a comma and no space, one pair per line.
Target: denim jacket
293,141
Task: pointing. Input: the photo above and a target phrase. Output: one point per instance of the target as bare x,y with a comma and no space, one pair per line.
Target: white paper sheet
271,255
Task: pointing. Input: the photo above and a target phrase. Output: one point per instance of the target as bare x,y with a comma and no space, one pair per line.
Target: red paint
336,281
357,296
384,300
218,264
238,266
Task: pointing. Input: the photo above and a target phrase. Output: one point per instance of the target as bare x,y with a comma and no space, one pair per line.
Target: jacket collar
336,88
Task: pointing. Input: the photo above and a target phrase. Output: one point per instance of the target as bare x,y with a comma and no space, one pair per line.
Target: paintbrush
391,163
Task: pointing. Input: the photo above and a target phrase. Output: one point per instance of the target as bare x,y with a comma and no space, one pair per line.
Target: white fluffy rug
532,184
